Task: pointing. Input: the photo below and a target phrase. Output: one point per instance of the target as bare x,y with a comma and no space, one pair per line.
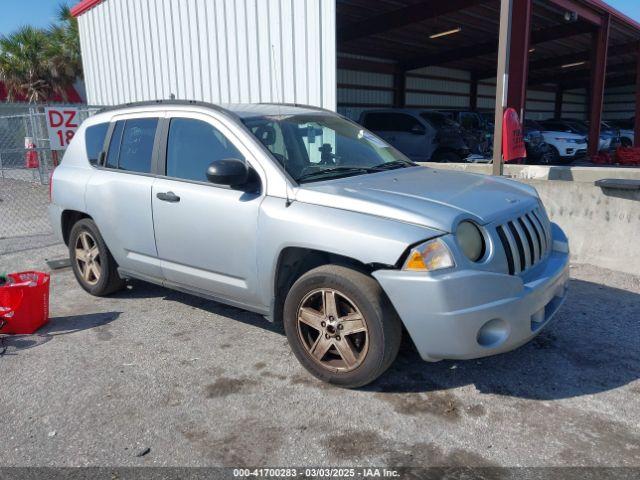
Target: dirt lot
202,384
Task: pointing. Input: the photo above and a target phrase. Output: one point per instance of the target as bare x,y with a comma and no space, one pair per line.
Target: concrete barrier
602,223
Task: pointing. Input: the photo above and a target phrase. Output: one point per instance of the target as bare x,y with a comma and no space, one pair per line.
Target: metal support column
502,81
473,93
636,128
558,103
598,73
399,89
519,55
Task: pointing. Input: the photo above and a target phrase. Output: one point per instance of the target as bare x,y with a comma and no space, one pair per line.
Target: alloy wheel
88,259
332,329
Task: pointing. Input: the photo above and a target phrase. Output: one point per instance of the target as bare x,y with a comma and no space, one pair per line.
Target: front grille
526,240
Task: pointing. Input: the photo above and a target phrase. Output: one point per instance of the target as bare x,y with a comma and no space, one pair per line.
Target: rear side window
131,145
94,140
390,122
136,147
192,146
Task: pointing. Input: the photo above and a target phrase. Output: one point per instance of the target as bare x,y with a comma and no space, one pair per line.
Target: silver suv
305,217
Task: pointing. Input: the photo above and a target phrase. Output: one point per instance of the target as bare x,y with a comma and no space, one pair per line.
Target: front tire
341,326
92,263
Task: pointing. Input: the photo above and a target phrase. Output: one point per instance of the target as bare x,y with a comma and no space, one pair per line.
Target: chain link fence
24,177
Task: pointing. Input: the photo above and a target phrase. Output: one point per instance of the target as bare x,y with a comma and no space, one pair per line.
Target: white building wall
216,51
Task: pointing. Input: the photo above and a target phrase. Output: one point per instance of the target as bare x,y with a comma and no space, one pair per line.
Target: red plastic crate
24,303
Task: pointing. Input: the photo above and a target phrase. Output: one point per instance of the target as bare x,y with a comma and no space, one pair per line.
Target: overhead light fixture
444,34
576,64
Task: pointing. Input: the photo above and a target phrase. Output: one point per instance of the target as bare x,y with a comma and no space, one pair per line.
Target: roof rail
147,103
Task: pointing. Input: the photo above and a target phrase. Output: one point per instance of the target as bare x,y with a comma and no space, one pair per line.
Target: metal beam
473,93
471,51
362,65
558,102
519,55
572,75
583,11
399,89
636,127
598,74
502,81
401,17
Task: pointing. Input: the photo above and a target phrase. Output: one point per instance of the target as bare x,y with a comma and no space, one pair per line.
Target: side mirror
418,130
231,171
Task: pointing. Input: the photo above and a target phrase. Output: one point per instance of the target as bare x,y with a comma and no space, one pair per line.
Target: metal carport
559,55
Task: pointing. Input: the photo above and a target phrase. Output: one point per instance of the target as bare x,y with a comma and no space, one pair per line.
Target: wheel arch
68,219
293,262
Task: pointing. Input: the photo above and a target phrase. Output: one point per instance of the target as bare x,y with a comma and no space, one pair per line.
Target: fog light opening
493,333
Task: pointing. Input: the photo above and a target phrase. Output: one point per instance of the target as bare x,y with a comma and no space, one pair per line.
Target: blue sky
42,12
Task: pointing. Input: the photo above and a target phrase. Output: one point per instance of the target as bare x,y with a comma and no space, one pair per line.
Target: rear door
205,233
119,194
405,132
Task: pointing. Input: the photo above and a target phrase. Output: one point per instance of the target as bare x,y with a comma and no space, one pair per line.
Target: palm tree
24,66
63,53
34,63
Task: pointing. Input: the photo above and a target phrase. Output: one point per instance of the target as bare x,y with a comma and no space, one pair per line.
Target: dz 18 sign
62,124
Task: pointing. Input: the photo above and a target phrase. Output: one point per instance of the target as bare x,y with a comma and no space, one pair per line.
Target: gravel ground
202,384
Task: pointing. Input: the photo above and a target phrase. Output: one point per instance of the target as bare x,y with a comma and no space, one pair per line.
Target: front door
205,233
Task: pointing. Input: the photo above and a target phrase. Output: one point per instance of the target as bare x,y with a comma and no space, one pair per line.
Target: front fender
367,238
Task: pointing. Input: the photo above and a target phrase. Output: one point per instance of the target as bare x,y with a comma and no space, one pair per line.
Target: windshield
314,147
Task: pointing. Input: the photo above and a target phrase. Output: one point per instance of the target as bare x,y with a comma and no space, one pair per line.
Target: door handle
168,197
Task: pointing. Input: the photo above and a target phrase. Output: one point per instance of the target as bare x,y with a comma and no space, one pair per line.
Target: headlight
430,256
568,140
470,240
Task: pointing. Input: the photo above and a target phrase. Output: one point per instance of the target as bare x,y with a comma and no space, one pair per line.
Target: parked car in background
538,151
625,130
303,216
608,140
608,132
478,135
422,135
565,144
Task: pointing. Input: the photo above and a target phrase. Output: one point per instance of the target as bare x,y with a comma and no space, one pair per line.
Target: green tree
24,66
63,53
35,63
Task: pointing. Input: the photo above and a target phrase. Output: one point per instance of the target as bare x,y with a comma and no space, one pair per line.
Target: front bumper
571,151
470,313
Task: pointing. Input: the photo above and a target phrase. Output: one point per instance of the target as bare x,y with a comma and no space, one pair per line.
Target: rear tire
93,265
321,308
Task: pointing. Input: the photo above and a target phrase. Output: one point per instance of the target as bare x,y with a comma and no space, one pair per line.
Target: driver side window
192,145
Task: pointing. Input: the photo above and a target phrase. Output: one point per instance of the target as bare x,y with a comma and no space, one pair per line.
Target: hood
573,136
432,198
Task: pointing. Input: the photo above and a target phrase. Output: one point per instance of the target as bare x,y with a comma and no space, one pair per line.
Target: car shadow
591,347
10,344
138,290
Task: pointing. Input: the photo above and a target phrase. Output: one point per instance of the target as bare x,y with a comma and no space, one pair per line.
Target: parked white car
565,146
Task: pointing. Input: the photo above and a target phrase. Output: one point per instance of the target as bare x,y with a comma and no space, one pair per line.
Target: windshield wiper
392,165
328,171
